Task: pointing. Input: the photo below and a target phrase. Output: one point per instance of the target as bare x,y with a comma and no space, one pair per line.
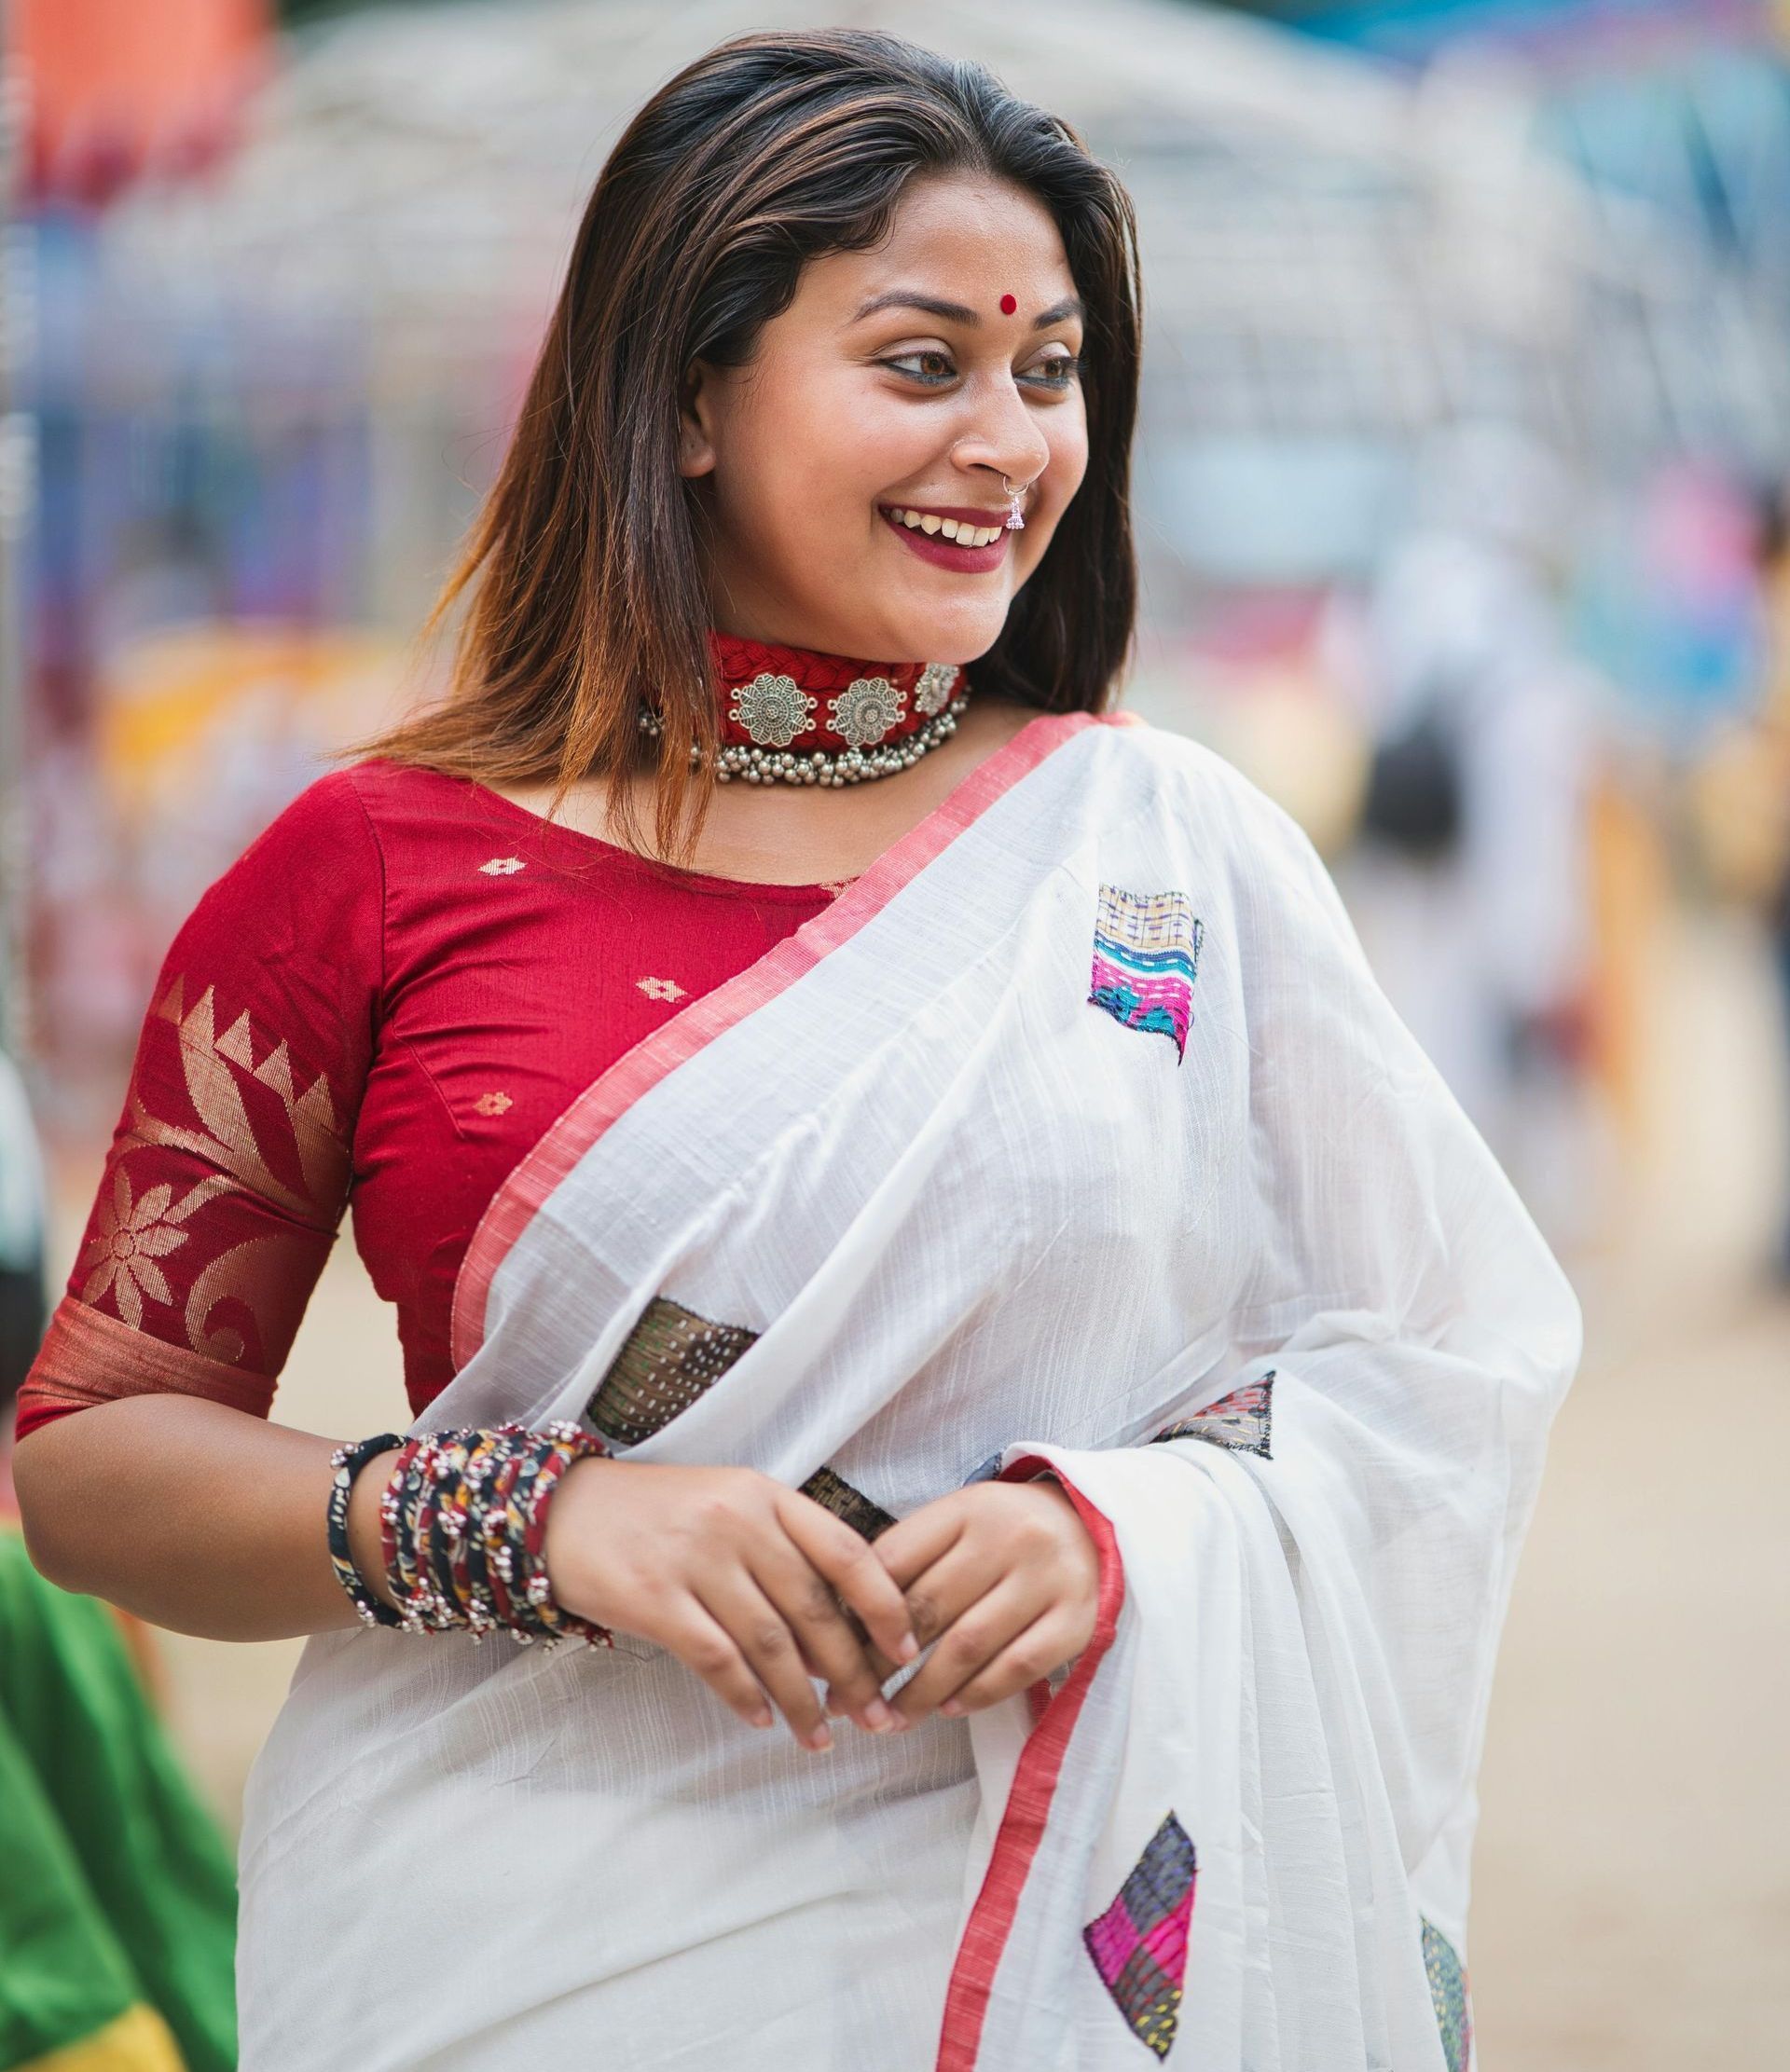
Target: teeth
964,534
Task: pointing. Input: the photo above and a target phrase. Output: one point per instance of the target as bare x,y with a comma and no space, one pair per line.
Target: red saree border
656,1056
89,1357
1020,1832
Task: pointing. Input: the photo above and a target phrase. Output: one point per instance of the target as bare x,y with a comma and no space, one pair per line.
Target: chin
958,634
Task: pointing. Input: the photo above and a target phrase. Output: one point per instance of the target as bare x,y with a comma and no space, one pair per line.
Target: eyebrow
959,312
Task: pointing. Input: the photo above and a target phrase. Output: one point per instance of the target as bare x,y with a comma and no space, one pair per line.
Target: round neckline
696,880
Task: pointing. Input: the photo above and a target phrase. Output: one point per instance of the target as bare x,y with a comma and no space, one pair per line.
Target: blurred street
1462,503
1633,1868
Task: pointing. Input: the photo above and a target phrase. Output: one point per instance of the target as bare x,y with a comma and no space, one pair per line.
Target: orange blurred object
121,90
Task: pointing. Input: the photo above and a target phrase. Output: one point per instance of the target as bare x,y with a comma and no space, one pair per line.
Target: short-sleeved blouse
384,1003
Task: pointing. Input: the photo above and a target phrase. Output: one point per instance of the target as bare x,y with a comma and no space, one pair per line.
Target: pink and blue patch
1145,957
1139,1943
1242,1421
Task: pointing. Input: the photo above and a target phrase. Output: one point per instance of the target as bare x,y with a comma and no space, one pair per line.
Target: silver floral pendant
864,711
932,693
772,709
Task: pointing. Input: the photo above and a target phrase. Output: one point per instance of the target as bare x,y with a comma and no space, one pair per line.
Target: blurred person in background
1774,731
1742,798
1472,883
117,1906
945,1235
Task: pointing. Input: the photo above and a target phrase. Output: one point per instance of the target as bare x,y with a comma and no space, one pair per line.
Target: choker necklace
795,715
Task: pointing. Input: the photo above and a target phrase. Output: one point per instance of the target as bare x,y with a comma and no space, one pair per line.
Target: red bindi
1008,305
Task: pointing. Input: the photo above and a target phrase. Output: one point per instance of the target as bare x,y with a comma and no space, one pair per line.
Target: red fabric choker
800,700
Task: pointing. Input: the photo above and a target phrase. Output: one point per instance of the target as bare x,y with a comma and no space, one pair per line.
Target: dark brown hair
772,150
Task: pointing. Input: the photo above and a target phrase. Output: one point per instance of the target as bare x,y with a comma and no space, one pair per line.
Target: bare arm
197,1517
207,1520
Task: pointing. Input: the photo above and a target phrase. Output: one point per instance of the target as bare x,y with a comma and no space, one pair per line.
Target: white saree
1076,1131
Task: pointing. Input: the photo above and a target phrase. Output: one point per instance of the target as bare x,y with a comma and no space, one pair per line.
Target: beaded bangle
347,1462
462,1530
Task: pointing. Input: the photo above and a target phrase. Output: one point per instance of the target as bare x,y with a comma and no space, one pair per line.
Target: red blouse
385,1001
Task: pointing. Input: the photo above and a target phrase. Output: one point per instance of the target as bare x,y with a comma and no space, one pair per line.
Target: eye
930,365
1062,370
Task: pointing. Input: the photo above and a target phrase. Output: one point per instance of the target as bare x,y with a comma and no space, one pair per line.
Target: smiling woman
943,1236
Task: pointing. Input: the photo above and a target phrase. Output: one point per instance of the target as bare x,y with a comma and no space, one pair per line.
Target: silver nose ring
1015,497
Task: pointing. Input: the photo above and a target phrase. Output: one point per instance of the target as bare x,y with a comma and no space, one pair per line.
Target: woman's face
903,380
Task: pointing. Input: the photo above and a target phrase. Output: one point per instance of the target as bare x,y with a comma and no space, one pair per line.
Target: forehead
970,239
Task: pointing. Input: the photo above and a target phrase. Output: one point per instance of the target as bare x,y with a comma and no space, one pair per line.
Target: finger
912,1544
759,1630
828,1645
942,1594
1037,1651
701,1644
881,1670
854,1568
973,1640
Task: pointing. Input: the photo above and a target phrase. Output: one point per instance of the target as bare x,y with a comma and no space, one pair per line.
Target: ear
696,415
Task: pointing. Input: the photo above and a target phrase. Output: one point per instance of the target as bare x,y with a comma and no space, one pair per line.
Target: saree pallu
1075,1137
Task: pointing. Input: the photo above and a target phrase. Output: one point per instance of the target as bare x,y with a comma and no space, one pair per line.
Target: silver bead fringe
757,765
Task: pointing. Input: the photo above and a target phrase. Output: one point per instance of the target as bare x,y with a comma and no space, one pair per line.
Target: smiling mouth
949,540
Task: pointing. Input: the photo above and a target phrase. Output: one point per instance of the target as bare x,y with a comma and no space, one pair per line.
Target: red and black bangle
462,1526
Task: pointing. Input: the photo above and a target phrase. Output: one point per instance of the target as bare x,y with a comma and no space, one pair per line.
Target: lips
948,552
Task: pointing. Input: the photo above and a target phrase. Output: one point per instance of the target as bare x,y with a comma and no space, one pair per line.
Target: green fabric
117,1887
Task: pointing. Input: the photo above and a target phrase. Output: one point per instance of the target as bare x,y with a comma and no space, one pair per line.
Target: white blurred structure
1335,259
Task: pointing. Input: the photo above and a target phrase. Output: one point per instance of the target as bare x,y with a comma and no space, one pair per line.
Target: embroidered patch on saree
1139,1943
1145,956
1241,1420
669,1358
1447,1989
834,1494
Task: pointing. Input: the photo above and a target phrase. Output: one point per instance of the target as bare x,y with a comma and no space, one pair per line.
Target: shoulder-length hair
772,150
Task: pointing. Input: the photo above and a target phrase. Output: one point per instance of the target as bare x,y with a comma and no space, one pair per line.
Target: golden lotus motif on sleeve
132,1234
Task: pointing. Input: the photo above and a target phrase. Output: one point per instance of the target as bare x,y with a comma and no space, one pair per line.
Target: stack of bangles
463,1526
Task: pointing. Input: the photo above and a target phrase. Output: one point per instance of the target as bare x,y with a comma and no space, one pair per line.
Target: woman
829,1189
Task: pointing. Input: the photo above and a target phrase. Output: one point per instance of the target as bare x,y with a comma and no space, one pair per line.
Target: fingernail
820,1740
835,1706
879,1716
951,1709
761,1718
909,1648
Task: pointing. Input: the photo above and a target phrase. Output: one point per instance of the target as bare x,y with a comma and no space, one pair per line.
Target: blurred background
1462,504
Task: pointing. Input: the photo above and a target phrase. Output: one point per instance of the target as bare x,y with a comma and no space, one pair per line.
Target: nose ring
1016,515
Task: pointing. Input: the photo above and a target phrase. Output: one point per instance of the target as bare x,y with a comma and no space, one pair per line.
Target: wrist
572,1565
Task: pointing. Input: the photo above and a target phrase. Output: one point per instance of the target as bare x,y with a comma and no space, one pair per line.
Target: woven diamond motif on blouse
1448,1990
1139,1943
1242,1421
670,1358
834,1494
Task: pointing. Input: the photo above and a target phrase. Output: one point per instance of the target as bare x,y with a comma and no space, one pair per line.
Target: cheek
1069,445
1068,463
805,469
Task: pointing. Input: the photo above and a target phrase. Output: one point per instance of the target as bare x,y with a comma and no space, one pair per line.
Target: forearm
195,1517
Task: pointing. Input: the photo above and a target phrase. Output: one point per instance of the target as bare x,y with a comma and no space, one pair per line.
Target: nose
1006,440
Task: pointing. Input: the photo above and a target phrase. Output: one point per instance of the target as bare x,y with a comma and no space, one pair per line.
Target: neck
800,700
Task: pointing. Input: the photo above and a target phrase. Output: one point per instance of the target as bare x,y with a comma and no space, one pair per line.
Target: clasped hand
759,1590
